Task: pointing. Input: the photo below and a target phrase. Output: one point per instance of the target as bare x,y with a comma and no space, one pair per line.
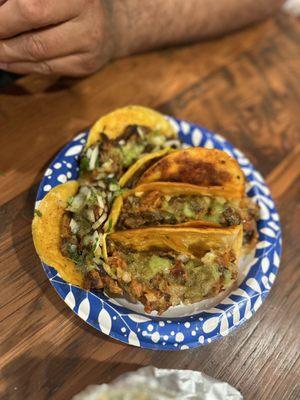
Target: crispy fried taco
123,144
163,267
180,204
67,241
198,166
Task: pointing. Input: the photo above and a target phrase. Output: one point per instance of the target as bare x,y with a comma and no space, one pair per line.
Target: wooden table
245,86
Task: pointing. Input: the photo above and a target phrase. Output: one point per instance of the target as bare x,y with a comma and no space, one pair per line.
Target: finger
17,16
53,42
72,65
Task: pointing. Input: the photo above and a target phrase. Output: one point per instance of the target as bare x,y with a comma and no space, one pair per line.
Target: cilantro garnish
38,213
84,164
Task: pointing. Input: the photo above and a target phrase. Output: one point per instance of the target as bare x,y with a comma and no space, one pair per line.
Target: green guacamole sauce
197,277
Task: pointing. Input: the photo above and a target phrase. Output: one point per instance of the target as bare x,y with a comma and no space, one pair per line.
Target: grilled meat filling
160,279
154,208
109,159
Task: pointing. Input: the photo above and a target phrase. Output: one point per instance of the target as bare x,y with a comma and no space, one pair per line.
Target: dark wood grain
245,86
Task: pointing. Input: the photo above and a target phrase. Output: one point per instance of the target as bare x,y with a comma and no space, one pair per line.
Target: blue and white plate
181,327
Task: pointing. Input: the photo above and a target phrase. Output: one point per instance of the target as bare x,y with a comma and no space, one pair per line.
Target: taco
164,267
198,166
180,204
68,244
114,123
126,141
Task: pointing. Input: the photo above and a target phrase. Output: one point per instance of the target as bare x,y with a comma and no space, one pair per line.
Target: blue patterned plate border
186,332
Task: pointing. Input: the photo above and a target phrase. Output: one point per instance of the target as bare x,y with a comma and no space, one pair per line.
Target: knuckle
35,47
45,68
32,10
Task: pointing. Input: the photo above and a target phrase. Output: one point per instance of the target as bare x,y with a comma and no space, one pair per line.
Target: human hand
55,36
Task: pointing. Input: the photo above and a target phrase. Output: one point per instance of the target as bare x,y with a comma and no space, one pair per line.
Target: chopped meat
65,225
131,132
112,286
250,232
231,216
116,261
152,200
136,288
178,271
94,280
226,258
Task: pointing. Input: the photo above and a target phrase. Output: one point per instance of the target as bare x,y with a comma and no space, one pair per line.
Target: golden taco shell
134,172
198,166
114,123
186,240
164,267
46,232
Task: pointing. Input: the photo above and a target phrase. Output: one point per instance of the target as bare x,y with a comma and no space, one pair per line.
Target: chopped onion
140,132
126,277
113,187
85,190
183,257
95,240
93,158
90,215
172,143
99,221
77,203
101,175
100,201
87,240
158,140
73,248
89,152
74,226
100,238
101,185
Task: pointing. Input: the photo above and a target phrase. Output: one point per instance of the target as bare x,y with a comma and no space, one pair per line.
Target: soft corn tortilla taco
46,231
163,267
124,143
56,247
114,123
180,204
198,166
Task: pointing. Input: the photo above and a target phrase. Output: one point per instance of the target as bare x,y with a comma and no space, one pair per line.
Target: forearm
78,37
145,25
